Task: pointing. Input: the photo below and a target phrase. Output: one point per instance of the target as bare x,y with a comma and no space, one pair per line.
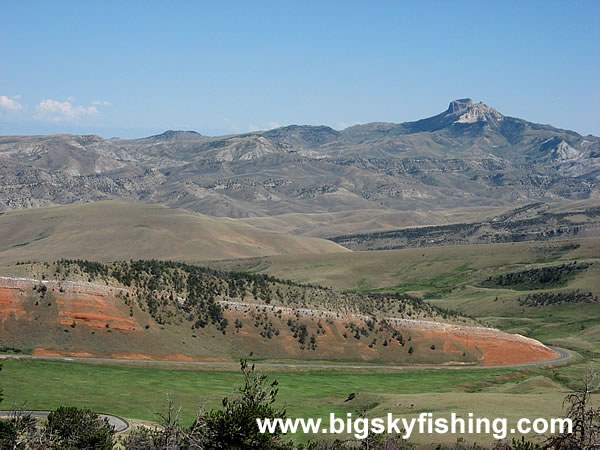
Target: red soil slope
92,310
9,304
84,319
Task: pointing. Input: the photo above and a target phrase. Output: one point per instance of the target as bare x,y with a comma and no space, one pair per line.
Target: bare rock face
464,111
459,105
479,112
564,152
247,148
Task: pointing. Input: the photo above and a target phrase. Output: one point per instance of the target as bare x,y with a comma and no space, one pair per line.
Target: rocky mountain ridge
468,155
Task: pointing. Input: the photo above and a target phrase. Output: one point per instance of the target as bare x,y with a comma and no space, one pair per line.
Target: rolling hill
114,230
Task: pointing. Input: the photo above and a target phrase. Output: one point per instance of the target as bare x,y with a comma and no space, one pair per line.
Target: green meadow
140,392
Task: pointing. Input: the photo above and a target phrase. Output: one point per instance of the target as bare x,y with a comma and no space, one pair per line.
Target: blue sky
136,68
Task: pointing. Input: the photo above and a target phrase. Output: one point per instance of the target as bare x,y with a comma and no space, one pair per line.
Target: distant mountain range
469,155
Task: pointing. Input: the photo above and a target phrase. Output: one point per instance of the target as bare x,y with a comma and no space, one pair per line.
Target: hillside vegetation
171,310
547,290
532,222
427,269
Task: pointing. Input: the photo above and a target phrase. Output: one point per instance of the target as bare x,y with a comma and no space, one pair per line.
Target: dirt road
562,356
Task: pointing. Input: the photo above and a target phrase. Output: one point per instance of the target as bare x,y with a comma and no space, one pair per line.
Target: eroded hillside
468,155
168,310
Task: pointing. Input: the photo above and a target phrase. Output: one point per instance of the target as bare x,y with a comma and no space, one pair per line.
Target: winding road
562,356
119,423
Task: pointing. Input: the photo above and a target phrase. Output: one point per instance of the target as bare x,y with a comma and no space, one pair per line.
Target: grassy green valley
544,290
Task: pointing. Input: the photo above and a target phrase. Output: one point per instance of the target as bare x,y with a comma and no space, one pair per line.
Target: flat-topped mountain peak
466,111
459,105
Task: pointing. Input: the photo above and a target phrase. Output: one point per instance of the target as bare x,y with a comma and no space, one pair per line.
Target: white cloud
344,125
101,103
10,103
54,110
268,126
